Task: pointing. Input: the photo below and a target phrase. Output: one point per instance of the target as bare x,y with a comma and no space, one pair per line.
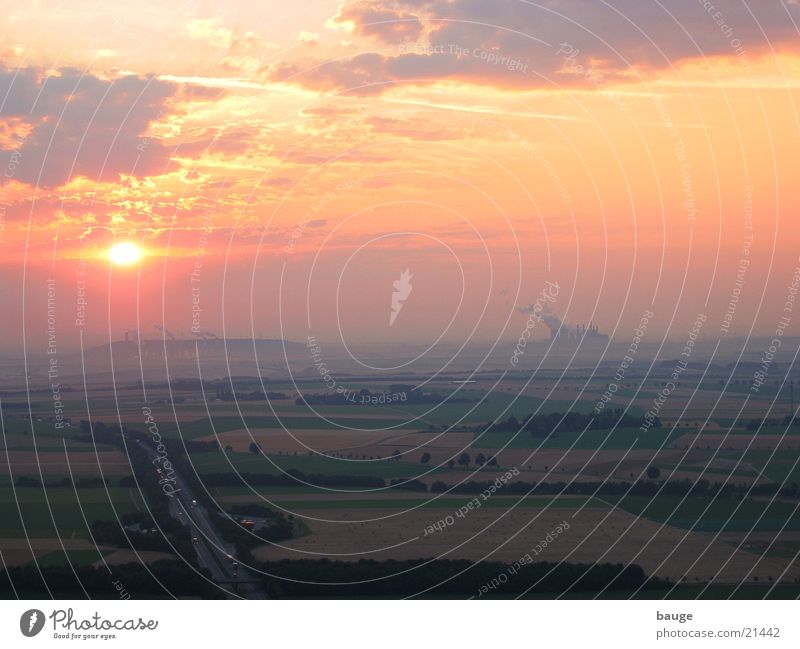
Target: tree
396,455
228,448
653,472
255,449
451,463
426,457
492,461
480,460
464,460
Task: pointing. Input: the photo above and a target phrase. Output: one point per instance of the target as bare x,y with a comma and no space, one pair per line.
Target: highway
213,553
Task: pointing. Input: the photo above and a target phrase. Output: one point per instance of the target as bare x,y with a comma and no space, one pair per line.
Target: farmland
708,496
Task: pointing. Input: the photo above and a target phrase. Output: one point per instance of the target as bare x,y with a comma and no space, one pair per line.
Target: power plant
562,333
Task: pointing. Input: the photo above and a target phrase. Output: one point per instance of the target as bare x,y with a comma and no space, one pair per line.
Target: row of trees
163,580
570,422
325,579
291,478
465,459
788,420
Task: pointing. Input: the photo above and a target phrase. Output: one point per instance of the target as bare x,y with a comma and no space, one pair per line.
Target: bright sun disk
125,254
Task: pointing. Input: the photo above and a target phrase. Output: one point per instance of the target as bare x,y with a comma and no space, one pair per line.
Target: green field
225,416
220,462
781,466
46,444
67,520
204,427
743,515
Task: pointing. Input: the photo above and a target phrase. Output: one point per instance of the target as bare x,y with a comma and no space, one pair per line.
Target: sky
280,165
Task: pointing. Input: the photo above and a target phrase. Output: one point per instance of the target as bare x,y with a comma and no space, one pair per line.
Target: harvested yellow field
594,535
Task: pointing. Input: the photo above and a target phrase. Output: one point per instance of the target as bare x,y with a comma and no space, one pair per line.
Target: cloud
45,208
372,73
323,157
309,38
409,129
210,31
523,45
230,143
387,24
620,33
279,181
83,125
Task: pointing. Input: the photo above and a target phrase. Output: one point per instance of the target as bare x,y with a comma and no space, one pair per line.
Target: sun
125,254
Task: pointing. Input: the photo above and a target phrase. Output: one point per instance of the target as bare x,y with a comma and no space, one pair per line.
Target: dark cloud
372,73
357,74
83,125
519,44
621,33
